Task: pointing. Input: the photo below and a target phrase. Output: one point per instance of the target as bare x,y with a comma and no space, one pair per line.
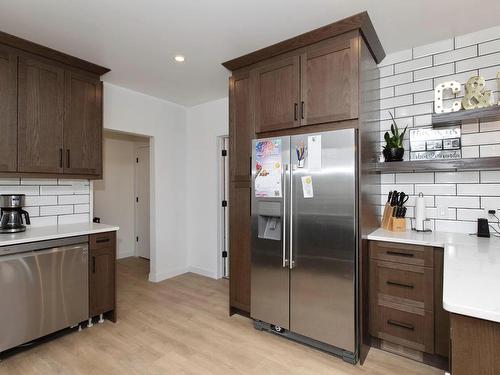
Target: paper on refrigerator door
307,187
314,152
268,169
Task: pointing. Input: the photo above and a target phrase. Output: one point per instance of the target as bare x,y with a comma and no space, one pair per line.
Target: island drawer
402,253
102,240
402,284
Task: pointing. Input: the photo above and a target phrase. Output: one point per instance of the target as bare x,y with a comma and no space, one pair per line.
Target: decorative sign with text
431,144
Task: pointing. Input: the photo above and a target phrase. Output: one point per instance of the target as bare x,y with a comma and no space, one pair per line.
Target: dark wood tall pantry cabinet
50,112
322,80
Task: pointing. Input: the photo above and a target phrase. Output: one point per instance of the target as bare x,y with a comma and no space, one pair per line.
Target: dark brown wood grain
402,253
329,81
239,245
40,116
241,126
348,124
475,346
82,131
359,21
277,95
49,53
441,317
102,274
8,110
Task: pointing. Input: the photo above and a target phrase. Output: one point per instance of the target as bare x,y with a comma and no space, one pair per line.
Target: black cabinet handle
102,240
68,159
295,110
93,264
410,286
302,110
60,158
397,253
402,325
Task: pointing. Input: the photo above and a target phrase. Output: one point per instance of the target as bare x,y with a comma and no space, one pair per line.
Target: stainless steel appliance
11,213
304,239
43,288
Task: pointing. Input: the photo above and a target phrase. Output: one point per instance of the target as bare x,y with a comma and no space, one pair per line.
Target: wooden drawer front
102,240
402,253
400,327
404,284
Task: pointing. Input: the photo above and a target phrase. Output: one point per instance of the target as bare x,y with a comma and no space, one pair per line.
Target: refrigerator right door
323,237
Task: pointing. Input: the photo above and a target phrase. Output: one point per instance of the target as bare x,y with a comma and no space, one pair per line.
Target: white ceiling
138,39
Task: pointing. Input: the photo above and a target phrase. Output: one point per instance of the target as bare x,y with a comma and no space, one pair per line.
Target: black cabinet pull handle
397,253
410,286
295,110
102,240
68,158
60,158
402,325
250,166
93,264
302,110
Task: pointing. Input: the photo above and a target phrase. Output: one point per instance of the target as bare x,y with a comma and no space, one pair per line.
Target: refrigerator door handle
291,262
283,218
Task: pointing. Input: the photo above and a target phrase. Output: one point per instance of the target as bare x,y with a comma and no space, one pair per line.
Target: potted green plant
393,149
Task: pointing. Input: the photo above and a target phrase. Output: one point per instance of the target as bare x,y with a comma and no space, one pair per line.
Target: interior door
330,81
323,243
82,125
142,202
8,110
277,95
270,273
40,119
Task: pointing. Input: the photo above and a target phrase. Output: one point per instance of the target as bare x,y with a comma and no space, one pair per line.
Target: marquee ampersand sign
475,94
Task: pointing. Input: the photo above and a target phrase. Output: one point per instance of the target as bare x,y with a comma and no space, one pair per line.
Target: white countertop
471,269
34,234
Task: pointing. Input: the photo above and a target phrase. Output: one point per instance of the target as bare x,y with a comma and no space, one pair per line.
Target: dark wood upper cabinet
329,81
82,125
277,95
8,110
241,130
40,116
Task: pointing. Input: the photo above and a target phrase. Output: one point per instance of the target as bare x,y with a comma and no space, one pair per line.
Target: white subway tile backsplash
390,178
478,189
455,226
436,189
33,211
11,189
398,79
470,152
397,101
468,128
397,57
457,201
73,199
412,178
66,189
489,126
40,200
82,208
44,221
455,55
467,214
489,47
435,71
402,123
480,138
9,181
386,92
407,188
490,176
412,110
72,219
423,120
489,150
423,97
38,181
449,214
457,177
411,65
433,48
490,202
478,62
386,71
477,37
410,88
55,210
490,73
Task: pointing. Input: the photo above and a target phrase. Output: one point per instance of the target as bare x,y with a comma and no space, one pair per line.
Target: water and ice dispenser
269,220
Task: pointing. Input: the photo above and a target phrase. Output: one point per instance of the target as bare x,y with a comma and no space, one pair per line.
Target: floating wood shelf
438,165
456,118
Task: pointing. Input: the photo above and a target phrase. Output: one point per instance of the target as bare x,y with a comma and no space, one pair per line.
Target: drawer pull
399,284
402,325
399,254
102,240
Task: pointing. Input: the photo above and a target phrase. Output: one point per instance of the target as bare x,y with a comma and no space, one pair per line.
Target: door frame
136,147
222,212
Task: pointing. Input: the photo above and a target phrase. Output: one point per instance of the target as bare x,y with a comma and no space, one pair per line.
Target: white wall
205,123
114,194
132,112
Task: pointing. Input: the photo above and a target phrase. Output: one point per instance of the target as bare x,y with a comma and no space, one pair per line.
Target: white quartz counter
471,269
54,232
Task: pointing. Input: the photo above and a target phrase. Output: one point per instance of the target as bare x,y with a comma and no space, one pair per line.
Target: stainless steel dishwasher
43,288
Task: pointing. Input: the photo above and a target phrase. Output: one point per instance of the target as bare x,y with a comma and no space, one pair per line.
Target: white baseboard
125,254
158,277
203,272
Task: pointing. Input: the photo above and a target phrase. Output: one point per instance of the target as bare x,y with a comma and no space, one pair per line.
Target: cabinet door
239,245
241,127
40,119
277,95
329,75
102,273
82,125
8,110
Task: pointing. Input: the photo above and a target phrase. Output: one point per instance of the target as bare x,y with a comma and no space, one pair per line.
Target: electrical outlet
489,213
442,212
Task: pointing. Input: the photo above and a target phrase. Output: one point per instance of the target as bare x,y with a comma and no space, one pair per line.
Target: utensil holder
398,224
387,218
425,230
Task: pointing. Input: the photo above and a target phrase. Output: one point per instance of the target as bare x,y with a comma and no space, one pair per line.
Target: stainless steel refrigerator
304,239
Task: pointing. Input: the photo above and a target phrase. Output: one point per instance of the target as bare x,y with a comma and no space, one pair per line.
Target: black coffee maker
11,213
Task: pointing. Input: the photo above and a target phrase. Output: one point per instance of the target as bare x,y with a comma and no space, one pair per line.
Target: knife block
398,224
387,217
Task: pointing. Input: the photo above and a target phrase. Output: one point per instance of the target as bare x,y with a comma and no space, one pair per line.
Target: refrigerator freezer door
323,216
270,273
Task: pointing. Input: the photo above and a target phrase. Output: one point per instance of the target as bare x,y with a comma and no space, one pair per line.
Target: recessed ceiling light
179,58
